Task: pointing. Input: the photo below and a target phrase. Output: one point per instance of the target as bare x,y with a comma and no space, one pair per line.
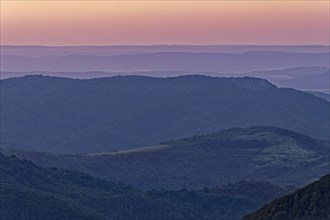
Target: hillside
106,114
258,153
310,202
28,191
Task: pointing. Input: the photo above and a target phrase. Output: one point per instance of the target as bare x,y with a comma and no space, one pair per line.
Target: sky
75,22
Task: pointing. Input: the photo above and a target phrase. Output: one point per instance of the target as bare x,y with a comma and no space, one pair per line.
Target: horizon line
150,45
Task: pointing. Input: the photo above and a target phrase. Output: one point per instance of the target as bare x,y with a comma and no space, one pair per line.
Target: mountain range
57,51
192,143
312,79
299,67
166,61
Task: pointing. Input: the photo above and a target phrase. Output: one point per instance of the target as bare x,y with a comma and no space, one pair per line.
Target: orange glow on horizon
164,22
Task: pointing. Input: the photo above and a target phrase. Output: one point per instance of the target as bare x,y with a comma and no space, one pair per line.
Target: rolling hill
260,153
28,191
308,203
116,113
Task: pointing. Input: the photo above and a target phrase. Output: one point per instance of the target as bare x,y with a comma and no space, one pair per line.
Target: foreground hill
258,153
309,203
116,113
28,191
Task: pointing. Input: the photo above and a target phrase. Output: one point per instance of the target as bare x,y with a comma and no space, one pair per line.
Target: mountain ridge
117,113
259,153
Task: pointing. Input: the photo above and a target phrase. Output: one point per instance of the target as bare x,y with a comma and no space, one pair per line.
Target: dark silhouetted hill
309,203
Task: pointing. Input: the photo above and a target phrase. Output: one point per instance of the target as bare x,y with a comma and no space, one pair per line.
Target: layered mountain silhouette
116,113
301,78
28,191
261,153
166,61
57,51
305,78
310,202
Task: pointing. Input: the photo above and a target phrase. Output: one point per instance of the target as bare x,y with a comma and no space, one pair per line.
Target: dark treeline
31,192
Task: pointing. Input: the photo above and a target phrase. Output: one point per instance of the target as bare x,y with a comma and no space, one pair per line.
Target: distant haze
164,22
161,58
56,51
303,67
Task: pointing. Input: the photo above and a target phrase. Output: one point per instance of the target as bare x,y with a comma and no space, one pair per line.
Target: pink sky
164,22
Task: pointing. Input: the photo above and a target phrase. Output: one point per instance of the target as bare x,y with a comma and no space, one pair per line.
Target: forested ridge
28,191
309,203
